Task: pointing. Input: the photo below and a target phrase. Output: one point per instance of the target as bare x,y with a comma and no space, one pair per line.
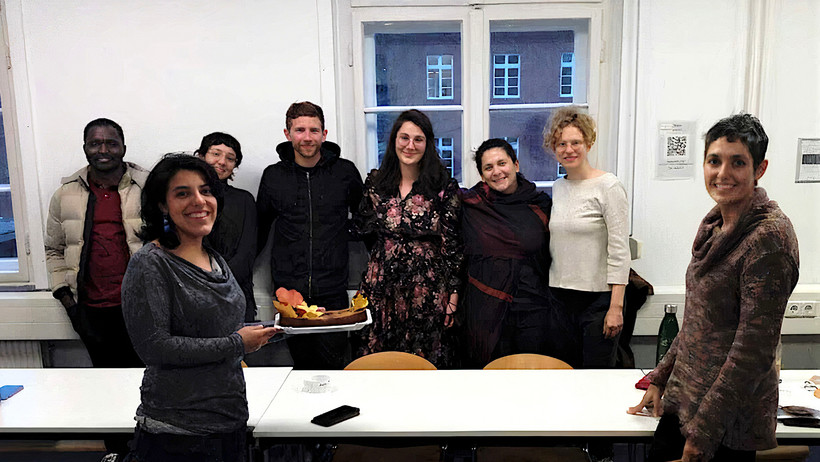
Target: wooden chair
529,454
389,361
784,454
527,361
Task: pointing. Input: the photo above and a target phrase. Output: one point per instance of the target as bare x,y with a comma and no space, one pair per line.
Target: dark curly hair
491,144
745,128
156,190
433,176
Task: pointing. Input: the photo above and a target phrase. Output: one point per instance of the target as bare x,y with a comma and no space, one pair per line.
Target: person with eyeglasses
234,233
589,232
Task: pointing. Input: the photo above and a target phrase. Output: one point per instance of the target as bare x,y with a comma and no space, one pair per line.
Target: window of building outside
506,76
513,140
426,65
445,149
440,77
567,67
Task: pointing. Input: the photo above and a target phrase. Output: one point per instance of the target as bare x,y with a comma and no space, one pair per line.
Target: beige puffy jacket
66,222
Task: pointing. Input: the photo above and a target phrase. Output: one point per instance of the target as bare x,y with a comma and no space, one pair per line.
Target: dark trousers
321,351
586,312
165,447
103,333
668,444
528,331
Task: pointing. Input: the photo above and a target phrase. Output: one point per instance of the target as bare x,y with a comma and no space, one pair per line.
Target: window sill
33,316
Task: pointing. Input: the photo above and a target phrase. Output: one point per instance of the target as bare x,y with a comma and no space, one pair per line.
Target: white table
484,404
792,392
98,401
463,403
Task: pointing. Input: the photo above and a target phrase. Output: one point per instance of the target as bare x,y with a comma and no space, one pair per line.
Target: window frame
603,18
17,118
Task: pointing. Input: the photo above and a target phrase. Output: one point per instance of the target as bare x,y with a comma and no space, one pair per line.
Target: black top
308,209
234,237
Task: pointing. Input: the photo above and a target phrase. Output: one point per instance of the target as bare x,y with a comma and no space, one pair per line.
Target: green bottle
667,331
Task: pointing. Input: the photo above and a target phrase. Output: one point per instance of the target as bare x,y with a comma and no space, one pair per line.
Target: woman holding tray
184,312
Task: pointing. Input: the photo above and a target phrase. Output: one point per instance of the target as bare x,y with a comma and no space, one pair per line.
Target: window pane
403,60
8,236
527,125
446,127
530,53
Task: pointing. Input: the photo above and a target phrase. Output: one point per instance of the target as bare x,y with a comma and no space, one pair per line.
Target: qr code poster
675,150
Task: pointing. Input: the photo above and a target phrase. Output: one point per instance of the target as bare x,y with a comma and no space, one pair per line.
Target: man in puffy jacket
306,197
91,231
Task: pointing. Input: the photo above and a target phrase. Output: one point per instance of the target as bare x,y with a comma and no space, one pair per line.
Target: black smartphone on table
332,417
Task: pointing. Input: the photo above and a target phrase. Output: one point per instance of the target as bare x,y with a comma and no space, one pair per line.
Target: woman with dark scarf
506,307
716,388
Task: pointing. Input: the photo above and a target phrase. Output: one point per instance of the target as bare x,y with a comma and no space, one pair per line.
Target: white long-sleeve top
589,233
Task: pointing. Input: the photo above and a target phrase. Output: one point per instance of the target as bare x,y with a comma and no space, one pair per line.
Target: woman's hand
255,337
691,453
450,310
651,401
613,322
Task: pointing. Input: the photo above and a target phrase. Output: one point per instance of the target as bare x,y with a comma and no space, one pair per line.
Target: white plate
324,329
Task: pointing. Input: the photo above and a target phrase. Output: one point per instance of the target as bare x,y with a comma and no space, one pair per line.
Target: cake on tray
294,312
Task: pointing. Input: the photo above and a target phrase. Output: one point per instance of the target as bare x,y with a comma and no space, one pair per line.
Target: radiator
20,354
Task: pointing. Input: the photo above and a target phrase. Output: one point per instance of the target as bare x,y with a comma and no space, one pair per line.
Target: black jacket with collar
308,209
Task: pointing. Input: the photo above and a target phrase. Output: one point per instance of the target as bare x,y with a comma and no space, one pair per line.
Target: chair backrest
527,361
390,361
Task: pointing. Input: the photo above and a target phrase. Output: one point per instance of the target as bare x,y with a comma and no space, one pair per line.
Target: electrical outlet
793,310
808,309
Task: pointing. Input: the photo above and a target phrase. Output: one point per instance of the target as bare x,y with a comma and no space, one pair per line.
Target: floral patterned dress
413,269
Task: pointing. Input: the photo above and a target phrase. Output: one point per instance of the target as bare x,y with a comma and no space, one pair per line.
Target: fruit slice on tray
295,312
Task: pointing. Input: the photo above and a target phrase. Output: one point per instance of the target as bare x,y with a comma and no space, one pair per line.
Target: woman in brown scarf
716,389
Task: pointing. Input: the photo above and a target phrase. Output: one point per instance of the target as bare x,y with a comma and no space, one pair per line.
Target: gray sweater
183,322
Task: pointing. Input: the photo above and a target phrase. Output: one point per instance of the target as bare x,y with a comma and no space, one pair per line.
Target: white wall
692,65
790,109
169,72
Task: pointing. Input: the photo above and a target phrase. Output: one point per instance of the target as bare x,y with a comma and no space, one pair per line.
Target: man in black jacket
306,196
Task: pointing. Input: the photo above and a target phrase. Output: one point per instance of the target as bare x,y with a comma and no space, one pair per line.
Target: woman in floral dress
409,219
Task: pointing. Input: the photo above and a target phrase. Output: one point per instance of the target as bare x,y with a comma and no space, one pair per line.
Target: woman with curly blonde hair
588,240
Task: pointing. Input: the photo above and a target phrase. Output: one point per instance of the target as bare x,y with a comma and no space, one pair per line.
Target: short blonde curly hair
565,117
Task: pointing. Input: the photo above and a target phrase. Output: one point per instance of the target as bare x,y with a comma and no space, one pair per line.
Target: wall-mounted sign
675,160
808,160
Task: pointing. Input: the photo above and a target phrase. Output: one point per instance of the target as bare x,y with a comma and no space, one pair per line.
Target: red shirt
109,254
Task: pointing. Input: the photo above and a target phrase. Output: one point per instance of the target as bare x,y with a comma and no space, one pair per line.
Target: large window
478,72
13,241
